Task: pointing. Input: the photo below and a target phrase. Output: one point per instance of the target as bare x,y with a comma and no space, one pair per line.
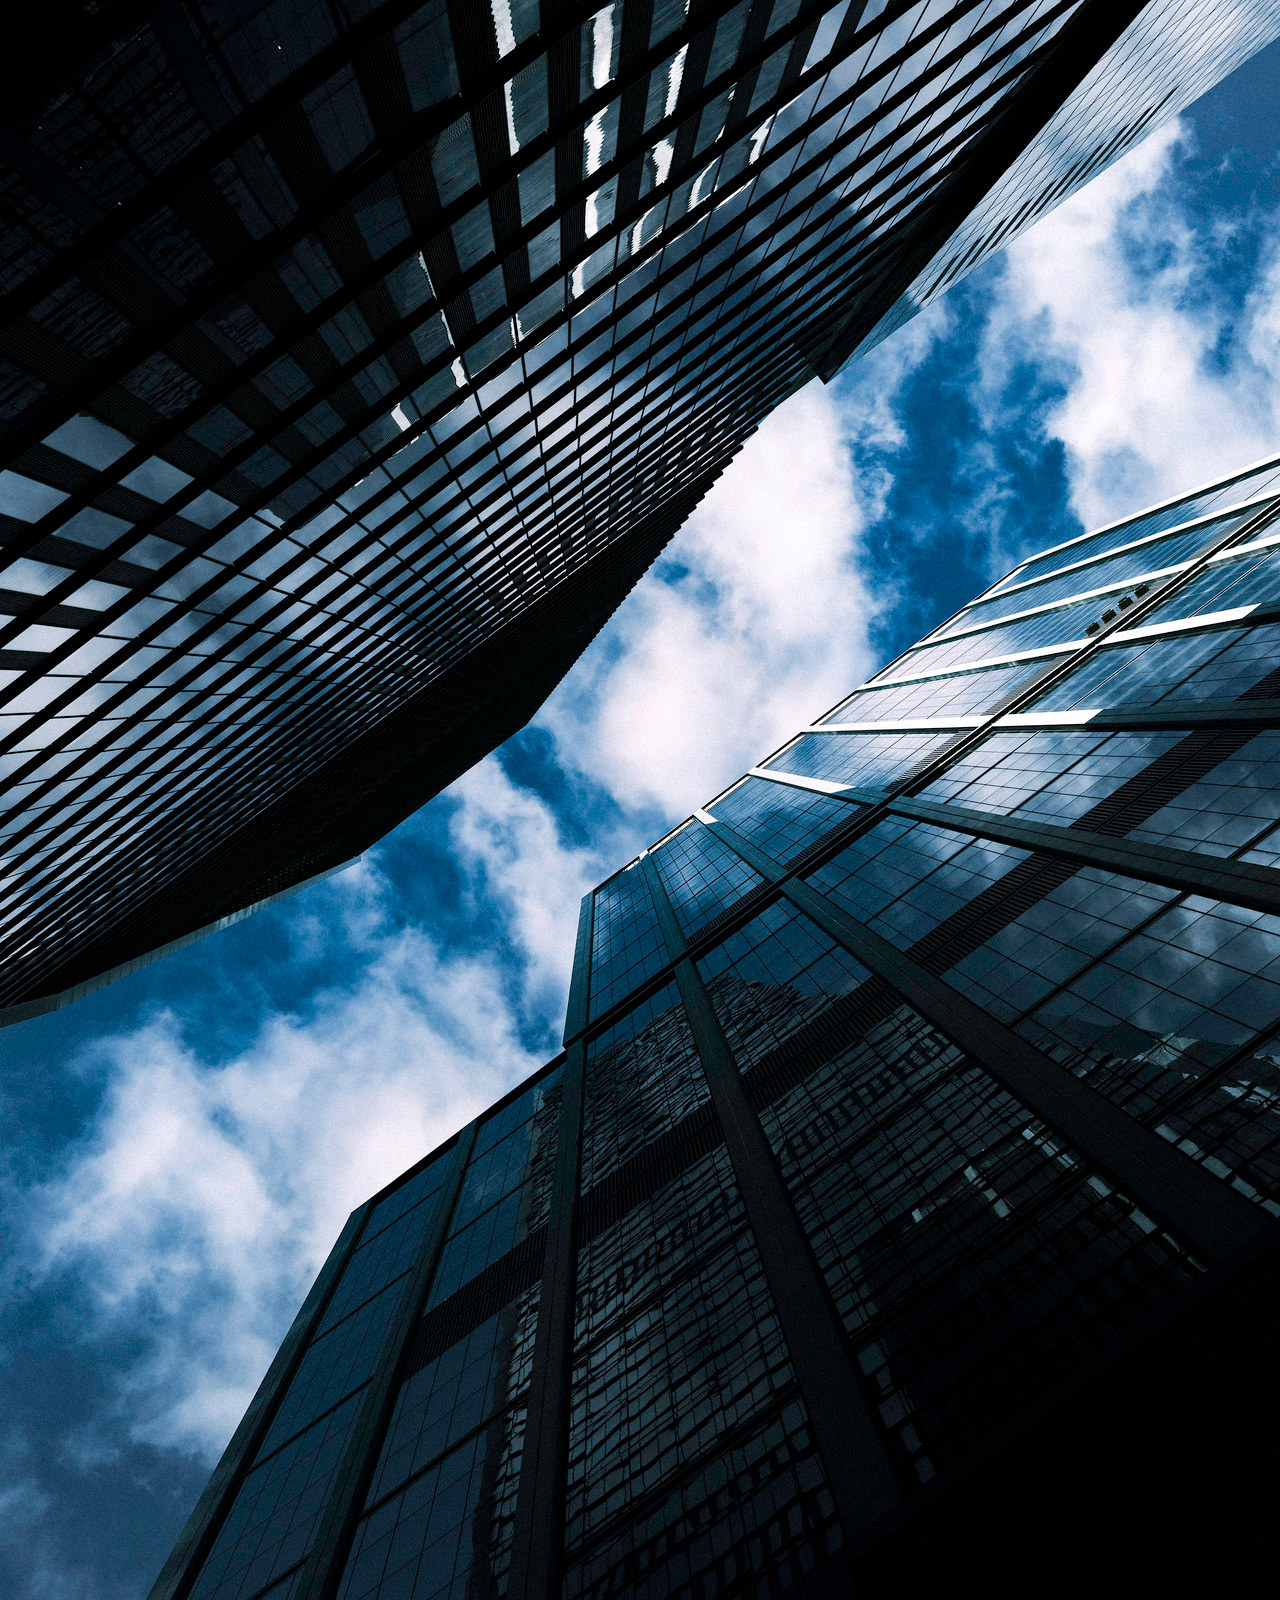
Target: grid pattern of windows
701,875
782,820
505,1189
972,1255
1144,77
1252,486
906,879
269,1525
643,1076
422,1541
1053,775
1072,620
966,695
1251,578
1171,1003
626,941
1153,555
439,1510
864,760
355,387
1224,664
772,976
979,1225
689,1462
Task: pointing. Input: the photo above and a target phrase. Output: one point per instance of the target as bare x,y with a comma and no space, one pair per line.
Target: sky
178,1151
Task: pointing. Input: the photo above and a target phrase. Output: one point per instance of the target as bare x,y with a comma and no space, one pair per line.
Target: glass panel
903,880
1252,580
974,1259
774,975
1153,557
506,1187
702,875
968,694
1163,1026
778,819
864,760
273,1519
1052,775
643,1076
627,944
1231,491
1225,664
479,1376
684,1416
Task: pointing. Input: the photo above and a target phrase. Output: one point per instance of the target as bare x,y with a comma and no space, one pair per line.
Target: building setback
357,359
900,1218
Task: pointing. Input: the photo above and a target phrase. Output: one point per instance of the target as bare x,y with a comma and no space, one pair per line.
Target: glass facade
923,1079
358,357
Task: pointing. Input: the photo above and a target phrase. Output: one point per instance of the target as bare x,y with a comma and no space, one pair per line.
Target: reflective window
973,1257
701,874
626,943
1224,664
778,819
865,760
506,1186
643,1075
677,1352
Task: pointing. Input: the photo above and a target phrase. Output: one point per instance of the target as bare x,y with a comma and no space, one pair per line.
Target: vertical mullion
858,1471
538,1536
184,1563
323,1571
1212,1219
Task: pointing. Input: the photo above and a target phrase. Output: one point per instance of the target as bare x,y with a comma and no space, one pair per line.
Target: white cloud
756,621
205,1196
1163,389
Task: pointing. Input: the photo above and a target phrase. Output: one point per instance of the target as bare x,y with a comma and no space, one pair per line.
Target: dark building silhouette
901,1216
358,358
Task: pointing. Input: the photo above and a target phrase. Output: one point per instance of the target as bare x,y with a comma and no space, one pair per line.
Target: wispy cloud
1168,375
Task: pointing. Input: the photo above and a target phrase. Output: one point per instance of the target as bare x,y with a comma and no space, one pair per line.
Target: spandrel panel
974,1259
862,760
701,875
681,1386
626,944
779,819
1159,1026
1185,669
642,1076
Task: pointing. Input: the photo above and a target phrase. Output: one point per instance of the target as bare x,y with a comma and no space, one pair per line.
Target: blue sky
180,1149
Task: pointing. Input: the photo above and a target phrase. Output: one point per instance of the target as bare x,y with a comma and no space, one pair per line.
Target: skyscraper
358,358
901,1216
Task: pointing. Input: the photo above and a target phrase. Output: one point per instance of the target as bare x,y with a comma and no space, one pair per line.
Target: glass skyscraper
902,1217
356,359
